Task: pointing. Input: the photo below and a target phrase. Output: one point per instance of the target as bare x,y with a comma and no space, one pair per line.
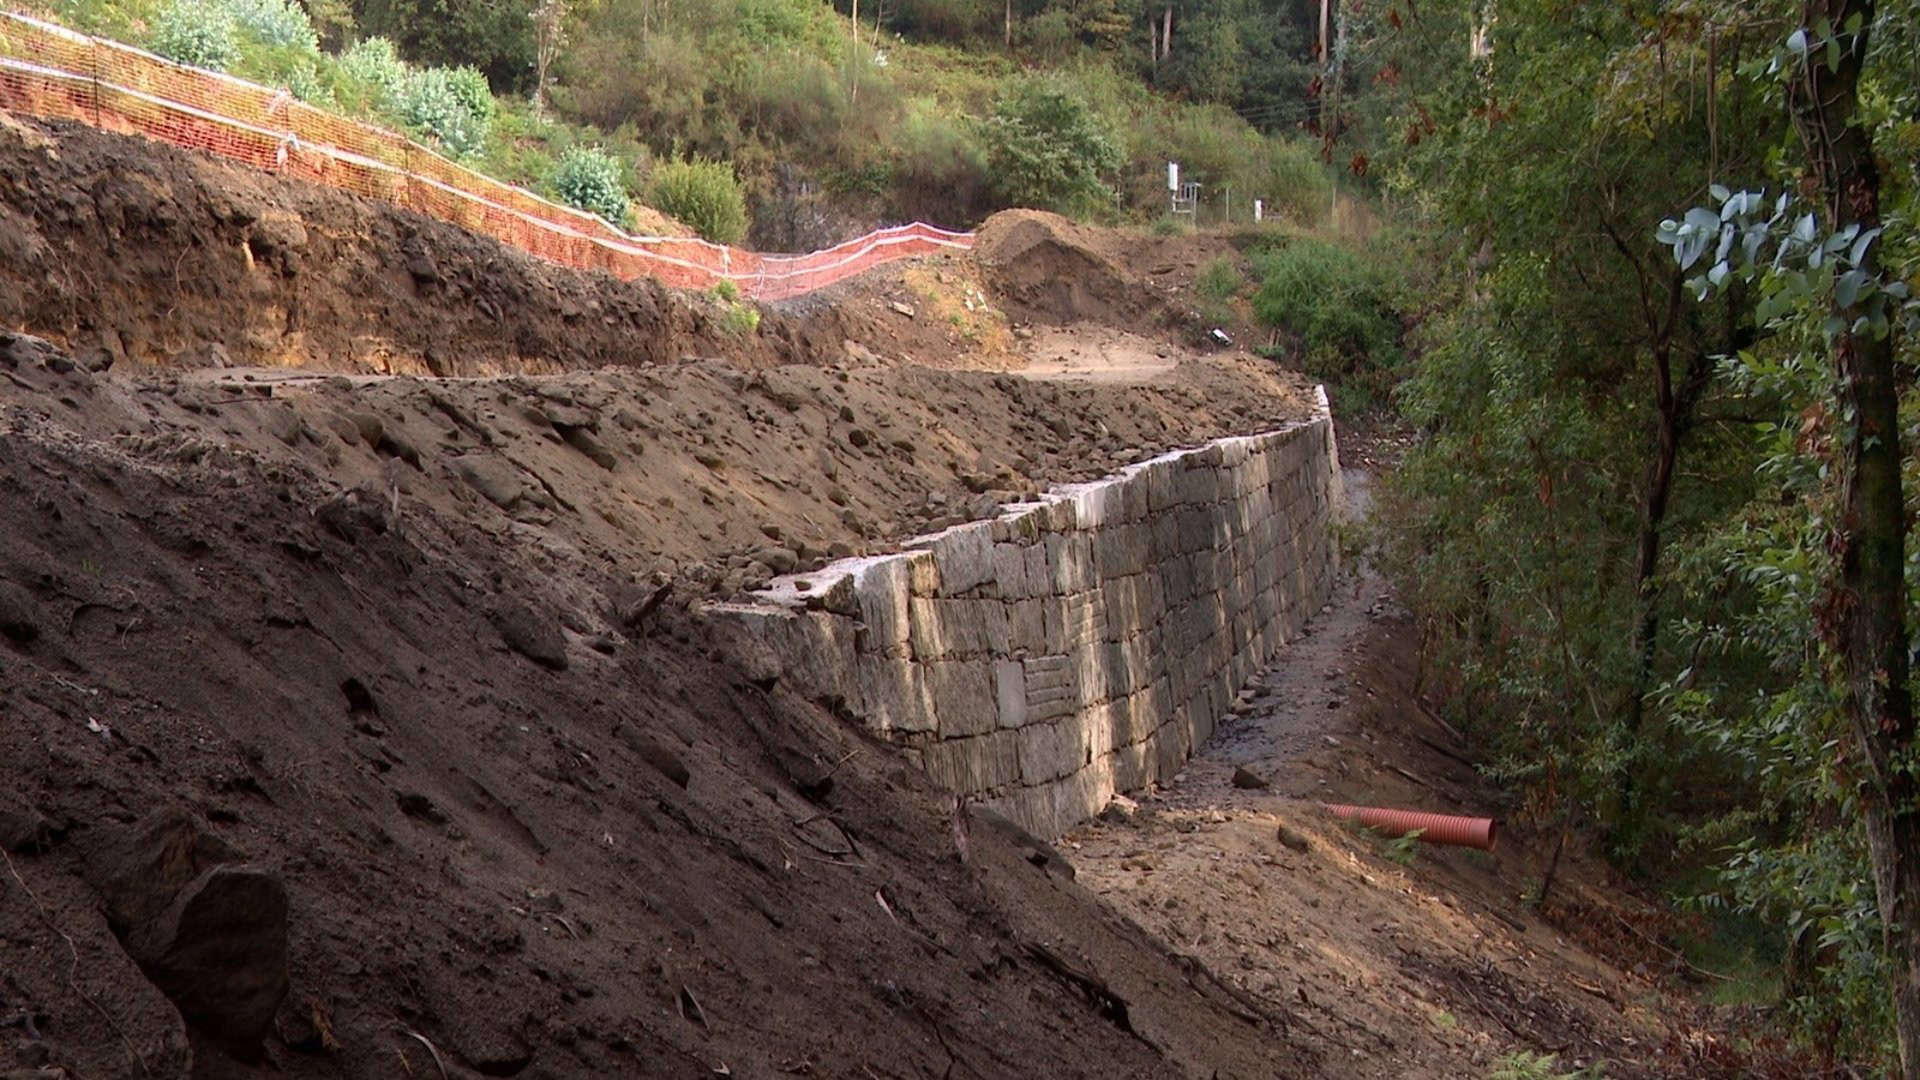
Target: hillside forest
1642,296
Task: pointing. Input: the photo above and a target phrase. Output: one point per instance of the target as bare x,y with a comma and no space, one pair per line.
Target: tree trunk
1166,33
1862,615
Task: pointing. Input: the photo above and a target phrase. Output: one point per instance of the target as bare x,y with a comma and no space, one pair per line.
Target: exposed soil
1399,961
409,658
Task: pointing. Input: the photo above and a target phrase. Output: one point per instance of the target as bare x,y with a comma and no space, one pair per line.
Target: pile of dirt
1048,269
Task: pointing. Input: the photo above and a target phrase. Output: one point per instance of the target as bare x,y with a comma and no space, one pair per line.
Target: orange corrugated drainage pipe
1473,832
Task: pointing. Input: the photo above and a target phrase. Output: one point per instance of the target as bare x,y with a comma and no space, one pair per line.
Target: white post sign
1256,210
1173,176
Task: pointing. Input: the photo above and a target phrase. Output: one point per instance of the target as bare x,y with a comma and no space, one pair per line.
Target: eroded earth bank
359,717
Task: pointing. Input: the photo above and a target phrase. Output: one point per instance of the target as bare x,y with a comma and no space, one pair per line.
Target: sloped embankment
516,826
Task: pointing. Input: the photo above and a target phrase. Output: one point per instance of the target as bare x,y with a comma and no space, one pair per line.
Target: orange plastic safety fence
49,71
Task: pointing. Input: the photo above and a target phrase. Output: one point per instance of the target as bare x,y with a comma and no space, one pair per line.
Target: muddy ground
408,660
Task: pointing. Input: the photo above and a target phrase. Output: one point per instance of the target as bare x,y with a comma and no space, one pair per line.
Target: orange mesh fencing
50,71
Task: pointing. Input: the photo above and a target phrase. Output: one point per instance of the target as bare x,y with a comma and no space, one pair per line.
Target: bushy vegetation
1046,148
588,178
928,114
441,104
278,24
1339,310
199,33
703,193
376,64
1636,527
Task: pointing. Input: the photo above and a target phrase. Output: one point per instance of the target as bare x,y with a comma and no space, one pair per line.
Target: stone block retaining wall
1073,647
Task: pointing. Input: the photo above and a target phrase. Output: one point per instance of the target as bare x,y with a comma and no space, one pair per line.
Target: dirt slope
408,659
478,846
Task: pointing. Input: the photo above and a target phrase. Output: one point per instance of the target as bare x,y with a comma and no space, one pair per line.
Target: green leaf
1861,244
1847,289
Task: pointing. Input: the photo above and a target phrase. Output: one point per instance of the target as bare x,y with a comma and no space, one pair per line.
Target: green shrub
740,320
774,22
1047,148
430,103
278,24
195,32
704,194
375,63
1332,298
1294,182
470,88
306,83
589,178
1219,280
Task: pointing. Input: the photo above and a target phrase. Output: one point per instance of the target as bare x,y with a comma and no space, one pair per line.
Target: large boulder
209,930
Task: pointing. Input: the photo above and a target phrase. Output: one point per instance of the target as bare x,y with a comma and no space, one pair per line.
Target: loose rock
656,754
531,634
19,614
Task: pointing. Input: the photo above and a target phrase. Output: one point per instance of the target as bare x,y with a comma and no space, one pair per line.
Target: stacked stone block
1073,647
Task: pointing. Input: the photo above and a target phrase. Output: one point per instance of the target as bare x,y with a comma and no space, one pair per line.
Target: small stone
369,427
1292,839
778,559
19,614
342,426
902,309
584,441
1246,778
498,482
655,753
859,437
531,634
1119,810
210,933
414,804
771,530
26,832
395,443
220,953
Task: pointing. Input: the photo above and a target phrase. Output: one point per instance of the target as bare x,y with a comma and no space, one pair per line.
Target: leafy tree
1827,265
1046,148
494,36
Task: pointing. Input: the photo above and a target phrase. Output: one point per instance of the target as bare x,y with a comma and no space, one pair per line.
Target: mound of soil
1047,269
